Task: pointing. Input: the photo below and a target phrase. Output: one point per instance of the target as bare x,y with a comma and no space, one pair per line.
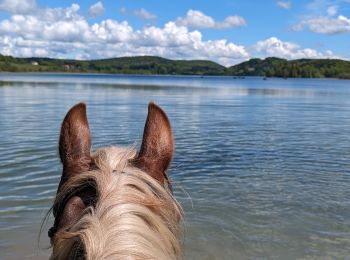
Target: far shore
271,67
70,73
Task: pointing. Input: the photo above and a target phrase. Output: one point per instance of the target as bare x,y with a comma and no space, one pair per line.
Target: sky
227,32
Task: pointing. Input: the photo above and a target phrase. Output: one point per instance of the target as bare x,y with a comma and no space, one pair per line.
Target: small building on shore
68,66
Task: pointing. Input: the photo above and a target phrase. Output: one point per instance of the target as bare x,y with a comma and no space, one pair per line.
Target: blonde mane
135,217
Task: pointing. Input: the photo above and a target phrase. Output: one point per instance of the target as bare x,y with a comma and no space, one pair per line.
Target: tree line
269,67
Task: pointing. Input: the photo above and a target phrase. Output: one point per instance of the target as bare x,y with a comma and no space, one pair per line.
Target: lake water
262,167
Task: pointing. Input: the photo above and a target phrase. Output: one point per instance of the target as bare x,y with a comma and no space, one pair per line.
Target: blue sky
227,32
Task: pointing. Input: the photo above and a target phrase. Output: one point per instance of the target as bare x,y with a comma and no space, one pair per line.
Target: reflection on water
261,167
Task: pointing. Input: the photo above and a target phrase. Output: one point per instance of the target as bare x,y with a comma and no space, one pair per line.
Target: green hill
269,67
302,68
124,65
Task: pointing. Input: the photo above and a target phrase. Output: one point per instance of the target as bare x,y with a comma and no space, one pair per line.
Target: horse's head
115,203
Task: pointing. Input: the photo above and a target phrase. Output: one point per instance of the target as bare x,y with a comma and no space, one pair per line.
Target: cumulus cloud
57,24
325,25
63,32
197,19
96,9
284,5
18,6
288,50
177,42
144,14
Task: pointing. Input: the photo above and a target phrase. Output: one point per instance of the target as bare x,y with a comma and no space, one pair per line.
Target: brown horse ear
75,142
157,145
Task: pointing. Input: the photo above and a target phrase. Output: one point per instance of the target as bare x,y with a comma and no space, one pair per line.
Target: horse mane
134,216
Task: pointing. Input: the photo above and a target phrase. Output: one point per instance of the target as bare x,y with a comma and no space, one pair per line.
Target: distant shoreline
152,65
17,76
65,73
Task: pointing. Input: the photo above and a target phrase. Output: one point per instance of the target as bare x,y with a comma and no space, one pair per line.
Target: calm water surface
262,168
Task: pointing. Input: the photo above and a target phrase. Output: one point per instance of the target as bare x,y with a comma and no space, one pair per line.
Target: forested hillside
269,67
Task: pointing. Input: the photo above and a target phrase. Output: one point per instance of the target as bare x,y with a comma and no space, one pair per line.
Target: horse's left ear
75,142
157,146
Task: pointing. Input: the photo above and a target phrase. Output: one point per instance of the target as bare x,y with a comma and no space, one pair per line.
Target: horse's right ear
75,142
157,145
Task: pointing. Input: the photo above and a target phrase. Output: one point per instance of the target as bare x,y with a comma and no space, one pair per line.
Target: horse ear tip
152,105
80,105
79,108
153,108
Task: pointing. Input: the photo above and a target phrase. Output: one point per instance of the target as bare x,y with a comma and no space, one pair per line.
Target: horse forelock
133,216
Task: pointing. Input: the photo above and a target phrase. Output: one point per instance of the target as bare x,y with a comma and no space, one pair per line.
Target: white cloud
123,10
56,24
325,25
288,50
110,31
18,6
322,7
284,5
332,10
324,19
64,33
197,19
96,9
231,21
144,14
